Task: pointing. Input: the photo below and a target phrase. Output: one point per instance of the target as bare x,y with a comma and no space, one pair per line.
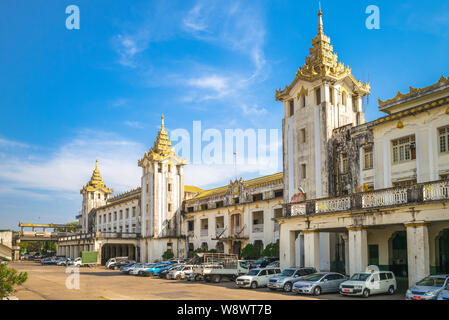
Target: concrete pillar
417,251
346,240
287,248
325,251
358,250
299,251
312,249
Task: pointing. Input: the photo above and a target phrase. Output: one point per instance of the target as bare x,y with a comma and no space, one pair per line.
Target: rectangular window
291,107
443,140
318,96
203,207
169,187
405,183
190,225
303,171
303,135
127,213
303,98
367,158
169,207
331,95
169,168
219,204
190,209
121,214
404,149
257,197
134,211
344,163
159,167
236,200
278,193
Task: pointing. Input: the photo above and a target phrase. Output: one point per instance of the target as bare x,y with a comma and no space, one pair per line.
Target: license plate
347,290
416,298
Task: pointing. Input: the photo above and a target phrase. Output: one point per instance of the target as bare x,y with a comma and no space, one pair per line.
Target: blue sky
68,97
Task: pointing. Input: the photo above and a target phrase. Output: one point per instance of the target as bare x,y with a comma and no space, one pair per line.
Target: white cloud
5,143
253,111
133,124
66,170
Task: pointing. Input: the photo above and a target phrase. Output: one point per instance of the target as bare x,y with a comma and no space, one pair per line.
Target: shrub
9,277
271,250
250,251
168,255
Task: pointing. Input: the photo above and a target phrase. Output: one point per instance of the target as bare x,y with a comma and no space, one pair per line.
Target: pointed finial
162,122
320,20
96,164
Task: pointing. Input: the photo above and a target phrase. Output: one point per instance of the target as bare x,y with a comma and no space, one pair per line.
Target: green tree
168,255
271,250
250,251
9,277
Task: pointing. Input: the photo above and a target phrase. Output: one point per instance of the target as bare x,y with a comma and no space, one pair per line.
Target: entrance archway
442,243
236,247
398,254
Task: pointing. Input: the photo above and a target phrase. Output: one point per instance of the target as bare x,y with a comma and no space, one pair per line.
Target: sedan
428,288
444,294
317,283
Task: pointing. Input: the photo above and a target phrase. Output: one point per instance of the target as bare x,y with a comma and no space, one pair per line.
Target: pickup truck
88,258
213,267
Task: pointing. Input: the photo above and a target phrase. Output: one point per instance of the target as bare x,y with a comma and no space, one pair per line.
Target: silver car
444,294
288,277
428,288
317,283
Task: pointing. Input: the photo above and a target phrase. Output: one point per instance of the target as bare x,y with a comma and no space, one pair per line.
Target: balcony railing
415,194
331,205
257,228
219,231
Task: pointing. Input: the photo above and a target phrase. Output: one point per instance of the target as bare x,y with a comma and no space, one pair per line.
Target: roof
192,189
96,183
249,184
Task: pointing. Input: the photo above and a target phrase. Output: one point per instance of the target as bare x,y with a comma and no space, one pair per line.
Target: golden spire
320,21
96,182
162,121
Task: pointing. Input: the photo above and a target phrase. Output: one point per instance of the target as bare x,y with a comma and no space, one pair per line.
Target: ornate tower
95,194
162,194
323,96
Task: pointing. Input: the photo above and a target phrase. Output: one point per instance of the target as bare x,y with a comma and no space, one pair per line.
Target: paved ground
49,283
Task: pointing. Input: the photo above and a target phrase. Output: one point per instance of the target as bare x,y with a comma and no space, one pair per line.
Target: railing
204,232
257,228
436,191
415,194
331,205
107,235
384,198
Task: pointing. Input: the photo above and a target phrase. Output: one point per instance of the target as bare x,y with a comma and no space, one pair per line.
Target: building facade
372,193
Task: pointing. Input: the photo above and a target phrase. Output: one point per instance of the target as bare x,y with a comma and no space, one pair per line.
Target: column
286,248
417,251
325,251
346,240
299,250
358,249
312,249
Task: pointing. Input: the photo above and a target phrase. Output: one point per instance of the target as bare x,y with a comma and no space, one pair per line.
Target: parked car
288,277
274,264
163,273
444,294
114,260
121,263
179,272
320,282
257,277
428,288
48,261
262,263
64,262
140,268
372,281
154,270
127,268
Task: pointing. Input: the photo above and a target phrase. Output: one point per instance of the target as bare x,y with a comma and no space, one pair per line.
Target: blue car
154,270
428,288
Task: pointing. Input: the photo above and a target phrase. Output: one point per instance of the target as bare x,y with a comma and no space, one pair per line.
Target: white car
139,268
257,278
179,272
372,281
114,260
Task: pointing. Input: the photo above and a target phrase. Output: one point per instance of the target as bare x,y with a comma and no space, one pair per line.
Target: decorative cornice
412,91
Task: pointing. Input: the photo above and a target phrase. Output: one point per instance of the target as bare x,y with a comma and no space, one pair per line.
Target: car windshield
253,272
313,277
360,276
288,272
431,282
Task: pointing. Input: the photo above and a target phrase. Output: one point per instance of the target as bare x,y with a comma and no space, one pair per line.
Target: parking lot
49,283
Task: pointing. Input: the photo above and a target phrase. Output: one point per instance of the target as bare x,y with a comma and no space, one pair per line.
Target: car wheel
197,278
178,277
366,293
254,285
288,287
391,290
317,291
